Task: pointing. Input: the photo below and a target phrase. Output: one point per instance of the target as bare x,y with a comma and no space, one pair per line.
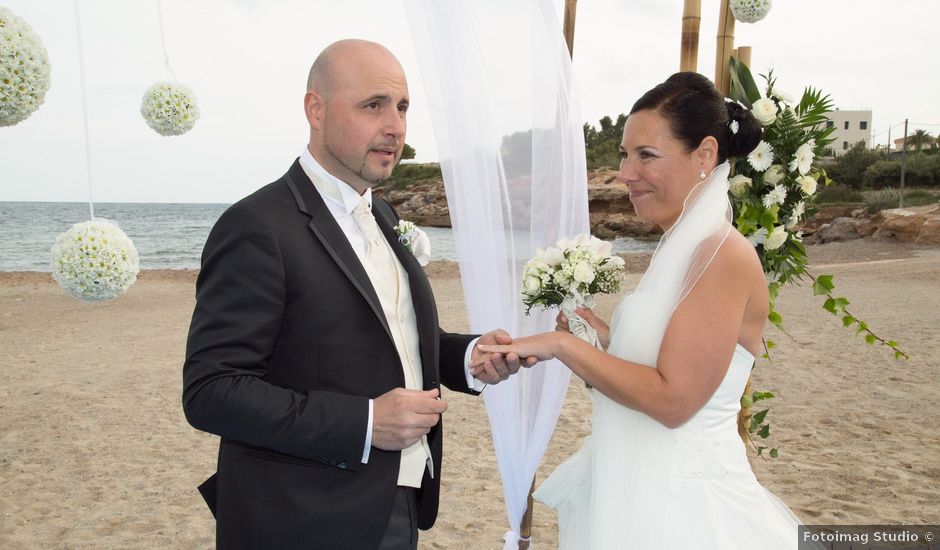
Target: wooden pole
525,530
743,54
725,44
691,23
571,8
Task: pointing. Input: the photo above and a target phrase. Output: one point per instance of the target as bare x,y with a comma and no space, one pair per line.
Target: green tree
882,173
919,139
849,169
407,152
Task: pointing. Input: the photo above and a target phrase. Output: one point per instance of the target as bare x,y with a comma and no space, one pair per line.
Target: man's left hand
493,368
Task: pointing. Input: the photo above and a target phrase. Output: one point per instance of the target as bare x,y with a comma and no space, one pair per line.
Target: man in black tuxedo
314,350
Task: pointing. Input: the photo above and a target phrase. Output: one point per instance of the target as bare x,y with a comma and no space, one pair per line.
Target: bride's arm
696,349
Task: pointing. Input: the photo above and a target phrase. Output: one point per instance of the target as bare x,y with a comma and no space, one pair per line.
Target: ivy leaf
760,451
771,344
862,326
830,306
764,432
823,285
774,453
759,417
776,319
848,320
870,339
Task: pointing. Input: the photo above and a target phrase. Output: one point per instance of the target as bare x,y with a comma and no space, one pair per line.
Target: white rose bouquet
568,276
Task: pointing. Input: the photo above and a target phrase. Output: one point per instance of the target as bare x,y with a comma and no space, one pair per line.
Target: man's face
363,120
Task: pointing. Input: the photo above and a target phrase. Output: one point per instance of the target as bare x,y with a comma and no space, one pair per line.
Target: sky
247,62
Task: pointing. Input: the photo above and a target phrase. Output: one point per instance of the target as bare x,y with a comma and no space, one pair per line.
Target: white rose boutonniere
415,241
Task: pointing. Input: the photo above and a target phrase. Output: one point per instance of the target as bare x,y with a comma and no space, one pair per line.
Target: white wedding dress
636,484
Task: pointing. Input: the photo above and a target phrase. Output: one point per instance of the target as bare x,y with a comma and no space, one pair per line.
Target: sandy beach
95,451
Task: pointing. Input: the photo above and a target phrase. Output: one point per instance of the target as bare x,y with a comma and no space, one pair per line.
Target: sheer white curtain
499,85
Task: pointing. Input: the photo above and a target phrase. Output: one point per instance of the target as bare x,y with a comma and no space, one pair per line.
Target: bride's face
657,168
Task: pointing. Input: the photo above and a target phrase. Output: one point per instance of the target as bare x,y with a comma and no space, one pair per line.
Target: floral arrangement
24,69
170,108
415,240
773,190
577,269
95,261
749,11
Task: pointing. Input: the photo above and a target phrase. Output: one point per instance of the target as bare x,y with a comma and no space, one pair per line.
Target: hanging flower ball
170,108
95,261
24,69
750,11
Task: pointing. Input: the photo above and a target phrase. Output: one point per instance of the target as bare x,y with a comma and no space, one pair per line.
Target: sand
95,451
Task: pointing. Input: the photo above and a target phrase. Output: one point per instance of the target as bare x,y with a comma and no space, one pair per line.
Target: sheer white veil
499,85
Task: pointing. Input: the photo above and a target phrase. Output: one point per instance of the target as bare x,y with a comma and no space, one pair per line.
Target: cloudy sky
247,62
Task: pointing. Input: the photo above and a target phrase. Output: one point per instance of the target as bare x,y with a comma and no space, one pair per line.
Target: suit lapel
328,232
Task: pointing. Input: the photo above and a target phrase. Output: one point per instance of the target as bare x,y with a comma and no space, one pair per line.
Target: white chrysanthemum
776,238
739,184
798,210
170,108
95,261
781,95
774,175
765,111
777,195
24,69
750,11
761,157
807,185
803,159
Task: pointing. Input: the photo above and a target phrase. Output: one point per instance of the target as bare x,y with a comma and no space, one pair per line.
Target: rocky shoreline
612,215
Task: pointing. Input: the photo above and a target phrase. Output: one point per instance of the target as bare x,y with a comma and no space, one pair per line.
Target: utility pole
903,163
888,147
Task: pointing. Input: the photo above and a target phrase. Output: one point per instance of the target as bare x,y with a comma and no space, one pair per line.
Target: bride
664,466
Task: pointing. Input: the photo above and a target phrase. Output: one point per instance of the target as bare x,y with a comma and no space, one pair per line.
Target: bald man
314,349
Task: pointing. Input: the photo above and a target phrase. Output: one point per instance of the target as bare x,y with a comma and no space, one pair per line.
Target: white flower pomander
95,261
765,111
739,184
170,108
807,185
750,11
761,157
776,238
24,69
803,159
415,240
774,175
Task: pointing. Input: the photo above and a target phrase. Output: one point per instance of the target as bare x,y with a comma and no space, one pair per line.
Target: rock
920,224
930,231
840,229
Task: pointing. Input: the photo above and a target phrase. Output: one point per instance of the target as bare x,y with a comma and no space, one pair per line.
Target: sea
167,236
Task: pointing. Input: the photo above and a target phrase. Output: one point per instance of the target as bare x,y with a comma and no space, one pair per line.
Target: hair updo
694,109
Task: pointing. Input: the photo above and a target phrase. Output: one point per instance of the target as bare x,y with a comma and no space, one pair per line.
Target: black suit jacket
287,344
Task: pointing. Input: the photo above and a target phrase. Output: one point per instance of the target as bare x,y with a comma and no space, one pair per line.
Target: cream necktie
377,250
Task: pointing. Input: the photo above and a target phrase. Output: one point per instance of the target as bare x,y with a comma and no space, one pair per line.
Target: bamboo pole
691,23
743,54
571,8
725,43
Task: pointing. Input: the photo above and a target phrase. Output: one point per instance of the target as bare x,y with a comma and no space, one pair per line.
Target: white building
851,127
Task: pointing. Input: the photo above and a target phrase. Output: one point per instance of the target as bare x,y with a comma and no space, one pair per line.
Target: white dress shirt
341,199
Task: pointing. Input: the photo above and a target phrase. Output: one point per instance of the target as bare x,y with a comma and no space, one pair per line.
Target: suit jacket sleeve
240,298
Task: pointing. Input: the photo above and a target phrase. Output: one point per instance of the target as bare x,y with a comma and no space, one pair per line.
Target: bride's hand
541,346
603,330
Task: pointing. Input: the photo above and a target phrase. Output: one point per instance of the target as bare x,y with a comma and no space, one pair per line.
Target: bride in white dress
664,466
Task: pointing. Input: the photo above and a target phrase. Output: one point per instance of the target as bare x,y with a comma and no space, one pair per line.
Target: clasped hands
401,416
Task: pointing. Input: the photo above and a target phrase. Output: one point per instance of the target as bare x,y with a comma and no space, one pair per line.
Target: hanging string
166,56
81,76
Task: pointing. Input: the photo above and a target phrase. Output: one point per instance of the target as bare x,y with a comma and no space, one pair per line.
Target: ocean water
167,236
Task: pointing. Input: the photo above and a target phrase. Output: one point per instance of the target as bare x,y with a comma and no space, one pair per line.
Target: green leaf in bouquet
764,432
870,339
759,417
775,318
823,285
743,87
774,453
848,321
830,306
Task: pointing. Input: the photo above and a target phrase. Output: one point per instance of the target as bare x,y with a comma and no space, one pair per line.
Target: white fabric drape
499,85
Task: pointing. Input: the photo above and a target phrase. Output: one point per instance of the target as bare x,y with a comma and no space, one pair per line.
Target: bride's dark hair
694,109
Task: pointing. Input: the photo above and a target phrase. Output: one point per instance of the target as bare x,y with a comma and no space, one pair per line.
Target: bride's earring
701,174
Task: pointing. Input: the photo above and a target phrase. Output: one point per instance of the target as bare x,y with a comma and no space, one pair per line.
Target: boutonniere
415,241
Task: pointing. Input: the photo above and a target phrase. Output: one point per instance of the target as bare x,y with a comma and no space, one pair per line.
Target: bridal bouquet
568,275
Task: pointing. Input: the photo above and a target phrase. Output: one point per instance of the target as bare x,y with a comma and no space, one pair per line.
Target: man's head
356,102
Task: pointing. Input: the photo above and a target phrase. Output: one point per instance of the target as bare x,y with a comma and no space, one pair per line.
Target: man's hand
400,417
493,368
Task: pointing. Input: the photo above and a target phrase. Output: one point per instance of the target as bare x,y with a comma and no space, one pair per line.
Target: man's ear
313,108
